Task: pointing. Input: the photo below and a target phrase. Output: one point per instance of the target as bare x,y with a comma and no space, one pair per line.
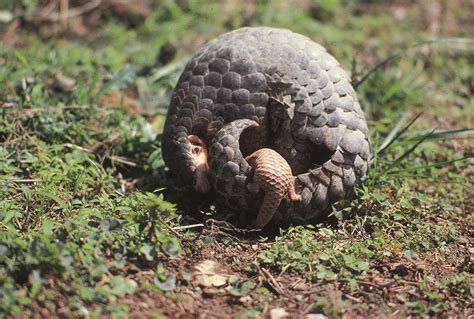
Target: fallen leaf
209,273
169,284
62,83
8,105
278,313
116,99
5,16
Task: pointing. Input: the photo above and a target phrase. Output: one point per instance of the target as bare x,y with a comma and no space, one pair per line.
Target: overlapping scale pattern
303,101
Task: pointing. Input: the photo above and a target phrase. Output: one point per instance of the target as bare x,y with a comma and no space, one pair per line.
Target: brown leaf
62,83
209,273
116,99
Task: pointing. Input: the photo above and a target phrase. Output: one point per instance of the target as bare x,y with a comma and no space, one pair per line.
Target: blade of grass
396,132
396,55
440,135
374,160
120,80
411,149
169,69
434,164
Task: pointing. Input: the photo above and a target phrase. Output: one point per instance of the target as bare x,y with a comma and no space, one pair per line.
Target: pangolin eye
196,150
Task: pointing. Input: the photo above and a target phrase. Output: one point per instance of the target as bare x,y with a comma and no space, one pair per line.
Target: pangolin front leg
274,176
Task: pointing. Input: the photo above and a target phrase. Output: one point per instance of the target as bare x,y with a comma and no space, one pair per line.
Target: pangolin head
198,154
186,156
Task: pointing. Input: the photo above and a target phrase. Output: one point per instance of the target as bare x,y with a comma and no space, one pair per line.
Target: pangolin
272,175
263,87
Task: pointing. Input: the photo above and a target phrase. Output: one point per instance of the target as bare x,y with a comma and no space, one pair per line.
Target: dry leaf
116,99
62,83
209,273
278,313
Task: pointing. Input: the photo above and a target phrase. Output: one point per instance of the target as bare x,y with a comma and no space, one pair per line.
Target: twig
293,285
168,227
352,298
118,159
187,226
309,308
64,13
24,226
229,227
84,9
9,33
20,180
284,270
47,9
13,106
18,224
272,282
265,309
312,291
406,282
72,146
362,282
121,160
24,87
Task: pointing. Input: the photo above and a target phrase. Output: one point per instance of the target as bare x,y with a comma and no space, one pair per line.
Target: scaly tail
270,204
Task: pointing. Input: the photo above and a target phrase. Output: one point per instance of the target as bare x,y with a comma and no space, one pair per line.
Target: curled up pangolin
257,97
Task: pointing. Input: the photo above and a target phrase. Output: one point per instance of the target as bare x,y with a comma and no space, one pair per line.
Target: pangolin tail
267,210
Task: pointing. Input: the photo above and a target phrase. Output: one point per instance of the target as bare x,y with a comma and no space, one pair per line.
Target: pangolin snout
198,154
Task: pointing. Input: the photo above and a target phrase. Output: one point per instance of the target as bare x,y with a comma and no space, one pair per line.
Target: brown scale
273,175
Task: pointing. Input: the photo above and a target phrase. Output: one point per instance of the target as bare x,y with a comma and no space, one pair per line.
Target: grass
85,230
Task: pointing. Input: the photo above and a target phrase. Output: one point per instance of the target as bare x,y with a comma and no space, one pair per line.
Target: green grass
76,240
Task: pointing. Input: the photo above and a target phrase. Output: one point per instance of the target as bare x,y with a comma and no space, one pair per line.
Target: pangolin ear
193,139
